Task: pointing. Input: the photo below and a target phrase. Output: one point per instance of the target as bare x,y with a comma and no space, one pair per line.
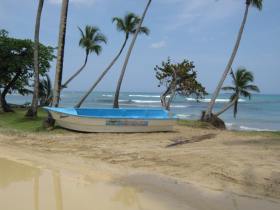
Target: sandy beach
238,163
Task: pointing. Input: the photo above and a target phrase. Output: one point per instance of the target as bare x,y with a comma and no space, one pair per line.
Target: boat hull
111,125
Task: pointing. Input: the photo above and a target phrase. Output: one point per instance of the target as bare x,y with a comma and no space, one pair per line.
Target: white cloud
202,12
87,2
158,45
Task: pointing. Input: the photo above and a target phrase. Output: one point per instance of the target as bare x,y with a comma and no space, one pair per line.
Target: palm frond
228,88
256,3
253,88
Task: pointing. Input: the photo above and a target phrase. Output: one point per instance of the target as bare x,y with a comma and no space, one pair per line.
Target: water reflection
128,196
11,172
57,190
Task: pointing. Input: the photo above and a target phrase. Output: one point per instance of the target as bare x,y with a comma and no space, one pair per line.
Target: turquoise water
261,113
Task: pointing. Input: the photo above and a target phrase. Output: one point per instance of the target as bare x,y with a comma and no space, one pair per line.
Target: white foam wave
244,128
183,116
144,102
107,95
232,126
219,100
145,96
179,106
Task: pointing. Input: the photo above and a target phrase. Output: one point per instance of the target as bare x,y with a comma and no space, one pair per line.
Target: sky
203,31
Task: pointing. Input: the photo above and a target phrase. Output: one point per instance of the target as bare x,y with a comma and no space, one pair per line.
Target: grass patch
195,124
270,134
17,122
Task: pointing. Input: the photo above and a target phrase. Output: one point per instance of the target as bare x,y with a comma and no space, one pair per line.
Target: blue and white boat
113,120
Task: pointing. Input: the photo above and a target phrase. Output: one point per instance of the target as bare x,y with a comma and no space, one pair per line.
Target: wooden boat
113,120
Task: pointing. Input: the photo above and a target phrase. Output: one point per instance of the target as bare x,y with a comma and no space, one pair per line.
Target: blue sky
203,31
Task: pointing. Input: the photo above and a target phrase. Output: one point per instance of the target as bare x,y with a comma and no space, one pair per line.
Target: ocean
261,113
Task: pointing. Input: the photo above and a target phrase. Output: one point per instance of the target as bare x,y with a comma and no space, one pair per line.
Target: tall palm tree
91,40
60,52
32,111
128,25
242,86
117,93
254,3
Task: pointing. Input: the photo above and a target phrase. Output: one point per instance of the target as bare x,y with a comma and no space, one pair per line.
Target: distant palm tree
91,40
255,3
45,91
32,111
241,80
60,54
138,29
128,25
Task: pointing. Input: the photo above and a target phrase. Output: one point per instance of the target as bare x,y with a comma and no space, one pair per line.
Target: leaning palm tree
255,3
242,86
32,111
60,53
128,26
91,40
138,28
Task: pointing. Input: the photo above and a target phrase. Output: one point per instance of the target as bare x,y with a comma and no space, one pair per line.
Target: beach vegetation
17,66
91,40
242,87
137,27
248,3
45,91
32,111
127,25
178,78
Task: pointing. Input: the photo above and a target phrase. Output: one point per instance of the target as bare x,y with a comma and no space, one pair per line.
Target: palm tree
60,53
128,25
91,38
32,111
255,3
138,28
45,91
241,80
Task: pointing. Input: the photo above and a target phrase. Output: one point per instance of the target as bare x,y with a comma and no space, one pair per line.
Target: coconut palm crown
255,3
129,24
242,86
91,40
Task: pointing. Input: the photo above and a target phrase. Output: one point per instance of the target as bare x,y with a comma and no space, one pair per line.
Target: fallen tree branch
194,139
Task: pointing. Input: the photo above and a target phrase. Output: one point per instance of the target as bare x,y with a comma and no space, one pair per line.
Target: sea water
261,113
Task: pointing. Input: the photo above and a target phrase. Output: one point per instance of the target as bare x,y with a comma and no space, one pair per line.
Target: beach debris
181,140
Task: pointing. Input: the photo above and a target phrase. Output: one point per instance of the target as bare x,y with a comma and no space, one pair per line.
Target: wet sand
26,187
228,171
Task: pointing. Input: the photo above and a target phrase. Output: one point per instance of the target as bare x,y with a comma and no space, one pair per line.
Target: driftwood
194,139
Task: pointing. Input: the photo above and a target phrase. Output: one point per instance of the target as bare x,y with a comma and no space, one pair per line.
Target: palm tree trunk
60,53
117,94
228,67
76,74
32,111
229,105
102,75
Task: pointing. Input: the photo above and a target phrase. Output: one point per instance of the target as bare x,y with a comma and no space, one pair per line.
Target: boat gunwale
50,109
